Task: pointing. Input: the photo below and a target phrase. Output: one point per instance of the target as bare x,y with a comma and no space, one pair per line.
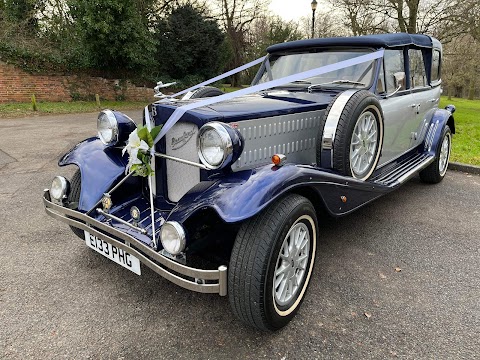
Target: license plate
120,256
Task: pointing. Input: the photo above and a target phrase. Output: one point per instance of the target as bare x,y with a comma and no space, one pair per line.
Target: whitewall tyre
272,262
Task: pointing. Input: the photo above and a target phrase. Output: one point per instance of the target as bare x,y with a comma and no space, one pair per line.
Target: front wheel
271,263
435,172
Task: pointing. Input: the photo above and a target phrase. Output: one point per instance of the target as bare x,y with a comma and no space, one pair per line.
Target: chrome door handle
414,105
433,100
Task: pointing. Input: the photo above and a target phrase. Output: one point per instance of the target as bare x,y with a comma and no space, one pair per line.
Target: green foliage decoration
139,146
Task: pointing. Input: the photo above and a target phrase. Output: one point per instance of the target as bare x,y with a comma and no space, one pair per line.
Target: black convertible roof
375,41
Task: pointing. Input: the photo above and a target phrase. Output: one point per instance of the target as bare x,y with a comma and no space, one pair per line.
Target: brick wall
17,85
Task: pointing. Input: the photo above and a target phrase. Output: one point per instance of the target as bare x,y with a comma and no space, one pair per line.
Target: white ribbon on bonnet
180,111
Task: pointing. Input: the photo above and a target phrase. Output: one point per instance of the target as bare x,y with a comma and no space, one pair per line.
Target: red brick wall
17,85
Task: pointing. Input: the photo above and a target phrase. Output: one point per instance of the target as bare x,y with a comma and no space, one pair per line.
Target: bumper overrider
199,280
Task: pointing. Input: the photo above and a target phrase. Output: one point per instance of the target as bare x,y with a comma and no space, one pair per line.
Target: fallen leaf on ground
367,315
382,276
397,269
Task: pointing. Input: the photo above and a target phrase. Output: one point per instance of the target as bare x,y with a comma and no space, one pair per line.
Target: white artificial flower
134,142
134,145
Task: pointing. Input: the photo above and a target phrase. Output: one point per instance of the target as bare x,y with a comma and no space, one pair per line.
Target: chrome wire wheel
444,154
291,265
363,145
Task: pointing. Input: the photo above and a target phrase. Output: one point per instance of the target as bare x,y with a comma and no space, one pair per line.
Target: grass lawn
25,109
466,141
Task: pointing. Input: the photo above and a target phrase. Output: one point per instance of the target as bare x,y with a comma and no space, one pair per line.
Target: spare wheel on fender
351,134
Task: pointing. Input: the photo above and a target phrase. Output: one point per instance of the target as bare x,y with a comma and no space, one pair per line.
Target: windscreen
293,63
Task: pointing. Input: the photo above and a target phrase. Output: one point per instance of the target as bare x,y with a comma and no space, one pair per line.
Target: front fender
241,195
100,168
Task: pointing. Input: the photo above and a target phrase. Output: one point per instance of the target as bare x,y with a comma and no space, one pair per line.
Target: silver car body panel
405,117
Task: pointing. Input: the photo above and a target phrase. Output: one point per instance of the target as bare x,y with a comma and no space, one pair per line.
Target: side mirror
399,80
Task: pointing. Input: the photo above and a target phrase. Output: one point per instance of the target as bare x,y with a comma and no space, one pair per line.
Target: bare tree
236,16
460,68
327,24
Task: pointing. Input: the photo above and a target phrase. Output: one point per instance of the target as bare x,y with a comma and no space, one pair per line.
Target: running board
404,170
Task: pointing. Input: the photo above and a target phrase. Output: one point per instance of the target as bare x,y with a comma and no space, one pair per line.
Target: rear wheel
271,263
435,172
74,197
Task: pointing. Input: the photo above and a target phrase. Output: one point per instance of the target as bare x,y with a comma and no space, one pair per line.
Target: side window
394,64
418,78
381,80
435,66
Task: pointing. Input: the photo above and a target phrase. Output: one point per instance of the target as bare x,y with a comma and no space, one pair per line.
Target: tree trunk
471,90
412,16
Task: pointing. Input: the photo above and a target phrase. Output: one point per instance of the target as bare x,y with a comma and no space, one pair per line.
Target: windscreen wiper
350,82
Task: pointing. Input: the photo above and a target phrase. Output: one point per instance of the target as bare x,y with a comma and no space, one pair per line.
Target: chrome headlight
173,237
107,126
218,145
59,189
114,127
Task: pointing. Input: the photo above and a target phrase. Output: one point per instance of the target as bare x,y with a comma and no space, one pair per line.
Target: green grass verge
466,141
25,109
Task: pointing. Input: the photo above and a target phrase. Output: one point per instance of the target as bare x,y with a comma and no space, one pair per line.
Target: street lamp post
314,7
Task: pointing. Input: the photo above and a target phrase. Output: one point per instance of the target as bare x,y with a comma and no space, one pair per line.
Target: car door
424,97
396,105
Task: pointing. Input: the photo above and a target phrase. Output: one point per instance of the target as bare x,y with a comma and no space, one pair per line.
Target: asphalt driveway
399,278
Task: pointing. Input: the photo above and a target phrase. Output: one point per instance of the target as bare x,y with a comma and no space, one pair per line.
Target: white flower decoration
134,145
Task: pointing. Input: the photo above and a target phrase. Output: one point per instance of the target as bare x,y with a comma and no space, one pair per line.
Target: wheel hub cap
291,264
444,154
363,144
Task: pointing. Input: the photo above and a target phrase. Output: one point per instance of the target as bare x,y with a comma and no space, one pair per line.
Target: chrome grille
181,142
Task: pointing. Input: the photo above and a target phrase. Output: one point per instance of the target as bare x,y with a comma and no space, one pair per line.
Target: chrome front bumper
203,281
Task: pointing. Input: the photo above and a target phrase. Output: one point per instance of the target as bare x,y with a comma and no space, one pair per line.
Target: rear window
435,66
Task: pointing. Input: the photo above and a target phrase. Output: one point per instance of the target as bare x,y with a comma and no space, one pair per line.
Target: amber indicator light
276,160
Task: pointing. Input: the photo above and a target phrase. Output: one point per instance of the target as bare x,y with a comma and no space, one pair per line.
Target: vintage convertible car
241,181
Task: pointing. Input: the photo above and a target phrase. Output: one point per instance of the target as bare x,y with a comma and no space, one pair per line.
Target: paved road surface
58,299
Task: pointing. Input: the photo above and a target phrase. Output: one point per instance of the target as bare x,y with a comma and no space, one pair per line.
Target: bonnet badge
182,140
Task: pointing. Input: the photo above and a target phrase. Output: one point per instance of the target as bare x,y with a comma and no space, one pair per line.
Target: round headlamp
215,145
107,126
173,237
59,189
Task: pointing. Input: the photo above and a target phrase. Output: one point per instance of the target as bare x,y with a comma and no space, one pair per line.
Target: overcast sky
291,9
